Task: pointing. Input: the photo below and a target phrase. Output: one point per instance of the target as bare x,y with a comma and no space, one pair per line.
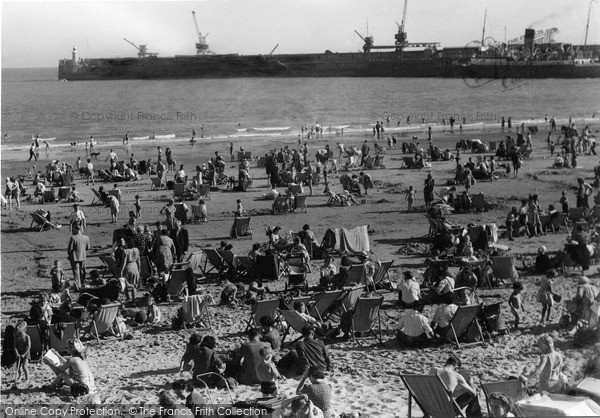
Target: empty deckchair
177,284
382,271
157,184
513,389
267,268
503,268
38,344
63,194
178,191
300,202
430,393
59,343
216,260
478,202
323,302
39,223
241,228
366,316
111,265
461,321
204,192
67,179
356,274
590,387
197,262
280,205
105,321
262,308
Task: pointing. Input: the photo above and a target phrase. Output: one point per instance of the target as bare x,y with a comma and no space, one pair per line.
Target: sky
38,34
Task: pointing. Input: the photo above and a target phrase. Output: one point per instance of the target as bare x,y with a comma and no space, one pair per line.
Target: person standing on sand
584,191
428,190
77,249
32,152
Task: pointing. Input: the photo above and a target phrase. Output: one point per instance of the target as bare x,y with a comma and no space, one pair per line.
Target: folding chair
49,196
157,184
294,322
431,395
300,202
246,264
67,179
105,320
350,297
267,268
366,314
409,162
195,262
267,307
513,389
558,221
461,321
304,299
177,284
204,192
503,268
230,260
433,226
323,302
356,274
195,310
70,332
241,228
116,194
38,345
178,191
280,205
111,265
39,223
97,200
216,260
63,193
196,213
478,202
296,271
576,214
382,271
462,203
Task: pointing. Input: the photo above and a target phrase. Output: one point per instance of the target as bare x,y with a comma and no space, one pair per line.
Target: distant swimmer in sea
153,135
46,146
5,137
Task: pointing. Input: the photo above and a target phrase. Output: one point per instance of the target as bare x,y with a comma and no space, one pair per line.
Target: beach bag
557,298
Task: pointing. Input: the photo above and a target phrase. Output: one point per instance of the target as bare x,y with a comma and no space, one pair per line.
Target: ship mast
483,32
587,26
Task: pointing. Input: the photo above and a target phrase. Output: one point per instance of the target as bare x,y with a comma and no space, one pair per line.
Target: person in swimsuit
549,369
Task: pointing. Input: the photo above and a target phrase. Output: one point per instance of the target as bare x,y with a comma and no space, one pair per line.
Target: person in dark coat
181,240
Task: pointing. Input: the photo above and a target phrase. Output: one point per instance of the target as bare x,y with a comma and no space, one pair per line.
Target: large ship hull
502,69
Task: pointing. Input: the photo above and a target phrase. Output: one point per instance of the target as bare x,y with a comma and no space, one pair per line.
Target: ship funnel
528,41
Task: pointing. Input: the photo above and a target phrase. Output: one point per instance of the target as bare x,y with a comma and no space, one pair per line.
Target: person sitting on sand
248,357
462,391
413,328
228,294
444,291
207,361
152,310
194,400
409,291
584,299
269,333
186,363
549,369
75,369
442,317
318,391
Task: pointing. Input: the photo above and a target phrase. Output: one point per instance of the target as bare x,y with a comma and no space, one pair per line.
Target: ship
401,59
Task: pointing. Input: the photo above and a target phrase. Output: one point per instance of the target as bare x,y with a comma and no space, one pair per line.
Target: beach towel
557,405
352,240
192,307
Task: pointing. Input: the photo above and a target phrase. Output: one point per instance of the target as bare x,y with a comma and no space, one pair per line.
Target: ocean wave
271,128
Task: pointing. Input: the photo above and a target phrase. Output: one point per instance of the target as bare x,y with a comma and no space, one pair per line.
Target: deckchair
39,223
300,202
267,307
216,260
350,297
382,271
356,274
480,269
49,196
111,265
280,205
97,200
70,332
576,214
38,346
63,194
194,261
478,202
196,213
294,322
241,228
104,321
157,184
323,302
558,221
195,310
116,194
67,179
296,270
295,189
267,268
366,315
204,192
461,321
304,299
409,162
462,203
431,395
246,265
513,389
230,260
177,284
178,191
434,228
503,268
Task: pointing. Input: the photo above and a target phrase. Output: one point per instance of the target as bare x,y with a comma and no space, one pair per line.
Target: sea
36,102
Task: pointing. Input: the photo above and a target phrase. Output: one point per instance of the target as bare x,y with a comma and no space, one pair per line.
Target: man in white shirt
444,291
180,175
414,329
77,218
112,156
410,291
442,317
90,172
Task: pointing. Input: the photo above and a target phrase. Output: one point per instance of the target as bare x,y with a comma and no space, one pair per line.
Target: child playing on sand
545,295
515,302
152,310
186,363
410,197
551,377
267,372
65,294
22,350
58,277
564,201
203,211
138,207
239,209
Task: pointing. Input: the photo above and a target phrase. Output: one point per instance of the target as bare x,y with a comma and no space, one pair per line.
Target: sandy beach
365,376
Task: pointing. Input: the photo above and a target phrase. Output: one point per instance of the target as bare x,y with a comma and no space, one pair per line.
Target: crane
401,35
142,50
201,45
